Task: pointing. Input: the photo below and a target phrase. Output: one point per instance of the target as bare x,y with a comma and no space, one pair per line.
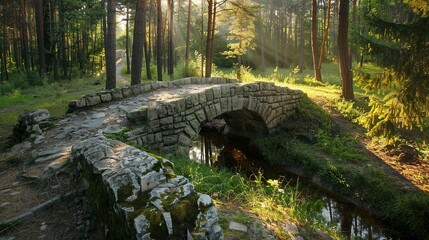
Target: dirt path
120,79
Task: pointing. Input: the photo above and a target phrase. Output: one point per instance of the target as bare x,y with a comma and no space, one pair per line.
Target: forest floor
402,161
68,217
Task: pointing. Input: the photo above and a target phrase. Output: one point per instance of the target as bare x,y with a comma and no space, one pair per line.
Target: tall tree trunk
353,21
127,37
314,43
63,41
188,33
5,74
38,4
209,38
137,57
159,39
325,35
202,39
110,46
301,36
170,39
145,47
343,46
262,37
24,36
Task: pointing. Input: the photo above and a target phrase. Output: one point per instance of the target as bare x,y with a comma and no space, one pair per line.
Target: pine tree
241,31
402,49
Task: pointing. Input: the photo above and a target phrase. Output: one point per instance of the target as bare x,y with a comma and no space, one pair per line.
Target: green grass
271,200
52,96
339,161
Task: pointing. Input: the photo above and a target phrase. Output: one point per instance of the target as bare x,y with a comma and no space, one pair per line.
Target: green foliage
187,69
268,198
340,164
349,110
120,136
400,47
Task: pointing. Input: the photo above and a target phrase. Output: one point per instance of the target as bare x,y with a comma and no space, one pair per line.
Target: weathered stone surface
31,124
92,99
237,226
123,176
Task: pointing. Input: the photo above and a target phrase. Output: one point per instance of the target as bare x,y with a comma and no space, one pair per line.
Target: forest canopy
46,41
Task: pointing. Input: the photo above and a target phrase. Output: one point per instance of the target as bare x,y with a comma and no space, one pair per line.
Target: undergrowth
271,200
339,162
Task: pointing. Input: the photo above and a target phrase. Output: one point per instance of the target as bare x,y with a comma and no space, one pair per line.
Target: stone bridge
134,194
173,119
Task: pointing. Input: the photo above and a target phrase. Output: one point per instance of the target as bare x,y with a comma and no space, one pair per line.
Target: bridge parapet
172,125
105,96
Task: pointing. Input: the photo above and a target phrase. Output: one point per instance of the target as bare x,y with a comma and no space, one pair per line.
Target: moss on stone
185,212
124,192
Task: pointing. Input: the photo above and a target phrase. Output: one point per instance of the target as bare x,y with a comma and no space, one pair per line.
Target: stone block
105,96
166,121
225,90
117,94
152,114
190,132
92,99
162,110
202,97
145,87
217,109
135,90
224,104
126,92
217,92
180,105
170,140
158,137
154,124
237,103
195,125
184,140
201,116
77,104
137,114
209,94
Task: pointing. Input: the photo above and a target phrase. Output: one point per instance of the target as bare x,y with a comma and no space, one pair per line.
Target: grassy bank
51,96
274,202
337,161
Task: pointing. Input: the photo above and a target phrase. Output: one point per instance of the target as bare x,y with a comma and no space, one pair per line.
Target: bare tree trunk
159,39
188,33
170,39
5,74
38,4
137,57
202,39
110,46
301,36
145,47
127,38
353,20
325,36
343,46
209,41
314,44
24,36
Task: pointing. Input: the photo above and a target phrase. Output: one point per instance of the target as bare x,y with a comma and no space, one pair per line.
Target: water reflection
234,152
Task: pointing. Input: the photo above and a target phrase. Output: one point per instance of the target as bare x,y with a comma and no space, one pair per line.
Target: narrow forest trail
120,79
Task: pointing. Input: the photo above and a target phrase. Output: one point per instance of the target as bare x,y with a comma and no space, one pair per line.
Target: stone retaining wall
121,93
135,195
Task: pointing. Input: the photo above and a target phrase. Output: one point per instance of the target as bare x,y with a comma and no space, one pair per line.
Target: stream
239,154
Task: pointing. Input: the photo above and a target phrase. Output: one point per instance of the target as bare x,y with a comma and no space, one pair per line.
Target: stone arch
172,125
